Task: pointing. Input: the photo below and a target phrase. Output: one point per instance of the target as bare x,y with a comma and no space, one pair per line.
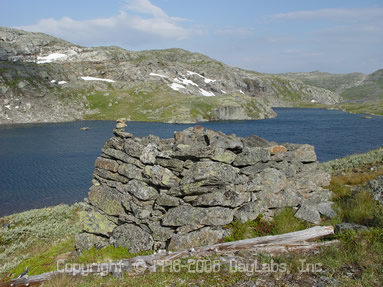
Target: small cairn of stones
152,193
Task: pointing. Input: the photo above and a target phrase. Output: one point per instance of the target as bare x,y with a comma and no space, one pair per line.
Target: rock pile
152,193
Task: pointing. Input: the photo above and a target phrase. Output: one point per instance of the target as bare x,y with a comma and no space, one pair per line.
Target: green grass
33,232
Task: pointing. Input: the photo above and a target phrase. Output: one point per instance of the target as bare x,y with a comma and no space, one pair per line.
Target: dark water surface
48,164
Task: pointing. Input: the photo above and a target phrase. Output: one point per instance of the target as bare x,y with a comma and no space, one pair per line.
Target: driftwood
277,244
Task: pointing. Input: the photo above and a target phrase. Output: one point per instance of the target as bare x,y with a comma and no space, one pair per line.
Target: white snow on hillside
50,58
205,79
53,81
176,86
97,79
223,92
206,93
62,82
157,75
185,81
241,92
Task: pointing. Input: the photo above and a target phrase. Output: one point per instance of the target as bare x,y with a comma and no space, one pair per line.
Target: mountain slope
43,78
352,87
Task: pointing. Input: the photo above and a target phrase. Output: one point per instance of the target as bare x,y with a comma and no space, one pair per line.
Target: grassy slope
38,238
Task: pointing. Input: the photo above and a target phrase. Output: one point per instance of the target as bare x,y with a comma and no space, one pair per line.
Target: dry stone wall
152,193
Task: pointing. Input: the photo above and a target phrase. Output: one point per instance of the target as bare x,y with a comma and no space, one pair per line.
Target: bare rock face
180,193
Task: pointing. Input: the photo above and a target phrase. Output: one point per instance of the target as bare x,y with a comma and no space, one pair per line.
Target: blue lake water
47,164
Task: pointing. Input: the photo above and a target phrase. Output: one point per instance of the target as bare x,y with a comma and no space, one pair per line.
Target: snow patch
62,82
176,86
53,81
8,107
157,75
206,93
313,101
241,92
50,58
205,79
185,82
223,92
97,79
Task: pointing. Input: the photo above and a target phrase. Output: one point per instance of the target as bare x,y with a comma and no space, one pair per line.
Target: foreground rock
151,193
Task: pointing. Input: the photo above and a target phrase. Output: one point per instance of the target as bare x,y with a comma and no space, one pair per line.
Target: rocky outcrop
152,193
47,79
376,188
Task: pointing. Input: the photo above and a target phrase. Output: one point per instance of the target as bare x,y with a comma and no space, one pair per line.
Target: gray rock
269,180
141,190
106,164
208,173
115,143
252,155
161,176
107,199
168,201
308,212
305,153
223,141
133,148
341,227
173,164
255,141
202,237
376,187
252,170
149,154
186,215
228,198
223,155
325,208
105,174
85,241
132,237
188,228
120,155
96,223
249,211
159,232
130,171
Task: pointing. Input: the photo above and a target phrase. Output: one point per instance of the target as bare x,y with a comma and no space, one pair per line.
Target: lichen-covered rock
252,155
141,190
132,237
108,199
96,223
202,237
228,198
249,211
149,154
308,212
185,215
161,176
376,187
106,164
325,208
130,171
85,241
305,153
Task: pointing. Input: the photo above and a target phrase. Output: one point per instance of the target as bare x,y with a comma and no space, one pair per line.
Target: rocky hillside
45,79
352,87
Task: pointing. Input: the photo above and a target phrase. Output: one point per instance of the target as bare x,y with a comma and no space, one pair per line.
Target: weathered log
276,244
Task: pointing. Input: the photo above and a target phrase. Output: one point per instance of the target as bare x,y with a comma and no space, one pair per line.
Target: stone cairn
150,193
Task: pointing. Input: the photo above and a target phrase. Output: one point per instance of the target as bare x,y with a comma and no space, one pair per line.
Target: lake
47,164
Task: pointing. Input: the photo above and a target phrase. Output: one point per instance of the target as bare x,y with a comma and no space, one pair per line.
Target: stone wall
152,193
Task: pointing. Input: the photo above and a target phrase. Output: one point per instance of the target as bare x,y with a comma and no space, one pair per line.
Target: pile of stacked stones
152,193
